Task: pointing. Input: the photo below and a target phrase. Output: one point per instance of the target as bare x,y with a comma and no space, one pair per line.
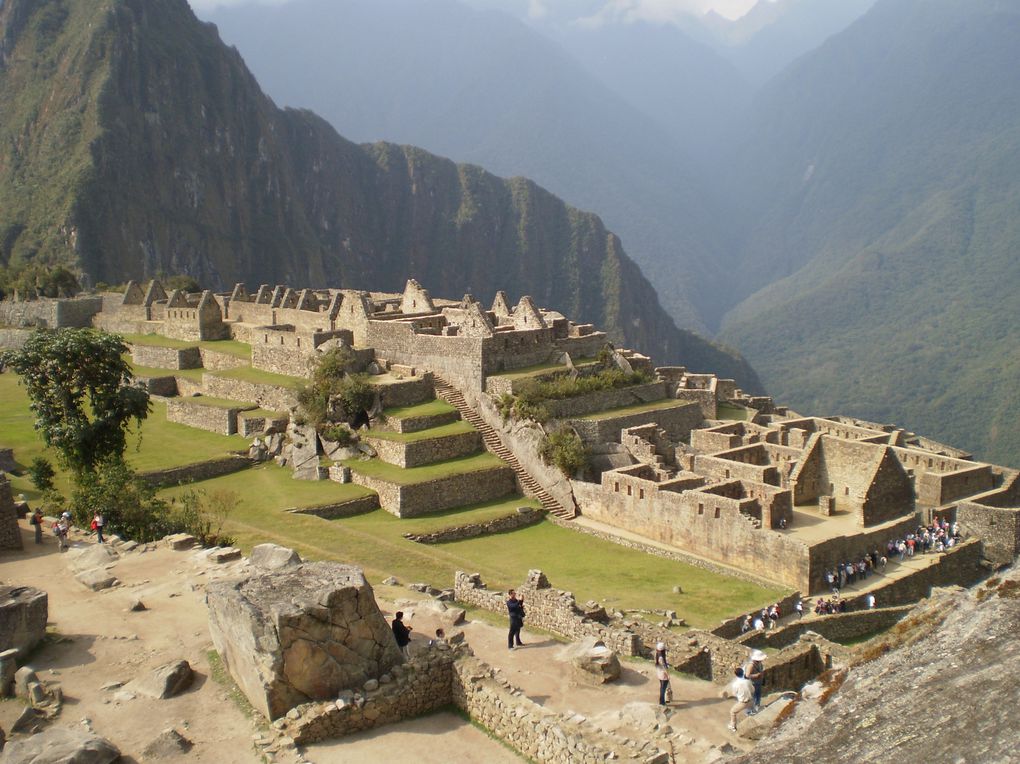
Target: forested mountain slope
134,142
884,181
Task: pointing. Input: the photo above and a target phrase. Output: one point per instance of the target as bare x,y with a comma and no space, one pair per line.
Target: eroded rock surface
301,633
60,746
23,614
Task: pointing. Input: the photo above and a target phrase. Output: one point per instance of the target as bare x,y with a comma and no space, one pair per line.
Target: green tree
565,449
41,473
81,394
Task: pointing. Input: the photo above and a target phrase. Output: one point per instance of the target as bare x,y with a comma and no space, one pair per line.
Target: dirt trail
97,641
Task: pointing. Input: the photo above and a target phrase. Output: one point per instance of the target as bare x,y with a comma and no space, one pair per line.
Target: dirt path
97,641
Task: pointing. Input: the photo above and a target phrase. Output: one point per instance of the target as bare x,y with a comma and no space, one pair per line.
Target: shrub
41,473
564,449
338,433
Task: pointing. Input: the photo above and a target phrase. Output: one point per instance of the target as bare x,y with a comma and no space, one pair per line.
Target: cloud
666,11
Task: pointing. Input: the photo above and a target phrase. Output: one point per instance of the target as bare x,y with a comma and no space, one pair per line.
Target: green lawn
248,374
637,408
380,469
431,408
539,369
229,347
453,428
739,413
589,567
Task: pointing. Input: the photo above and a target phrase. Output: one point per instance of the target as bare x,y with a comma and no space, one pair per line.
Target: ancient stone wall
603,400
196,472
166,358
252,423
677,422
23,614
337,510
417,423
938,488
838,627
428,451
730,628
546,608
269,397
724,468
522,518
997,527
214,360
444,493
191,412
406,392
826,554
164,387
14,339
458,359
10,533
50,313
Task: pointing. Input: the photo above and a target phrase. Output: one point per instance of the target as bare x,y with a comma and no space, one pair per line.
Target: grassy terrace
431,408
194,375
540,369
637,408
380,469
218,403
163,443
229,347
729,411
248,374
589,567
453,428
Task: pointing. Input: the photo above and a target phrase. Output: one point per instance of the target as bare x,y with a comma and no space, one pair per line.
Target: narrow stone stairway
494,445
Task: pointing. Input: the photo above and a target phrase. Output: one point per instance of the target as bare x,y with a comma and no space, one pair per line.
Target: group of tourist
767,618
62,527
745,688
837,604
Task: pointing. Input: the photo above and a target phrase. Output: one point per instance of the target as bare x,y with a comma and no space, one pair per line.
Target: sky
649,10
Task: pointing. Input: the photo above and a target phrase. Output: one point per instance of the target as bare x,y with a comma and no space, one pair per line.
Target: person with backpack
37,522
662,674
402,633
98,521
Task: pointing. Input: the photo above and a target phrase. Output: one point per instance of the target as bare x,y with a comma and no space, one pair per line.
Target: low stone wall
997,527
602,400
165,387
23,614
546,608
166,358
214,360
407,392
269,397
191,412
730,629
197,472
522,518
14,339
420,686
677,422
51,313
436,495
429,451
10,533
959,566
350,508
250,424
839,627
419,423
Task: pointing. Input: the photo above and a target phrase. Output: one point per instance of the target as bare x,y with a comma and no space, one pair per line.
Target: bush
335,394
338,433
564,449
41,473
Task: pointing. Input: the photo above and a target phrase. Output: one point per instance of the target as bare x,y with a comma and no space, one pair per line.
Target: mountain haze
134,142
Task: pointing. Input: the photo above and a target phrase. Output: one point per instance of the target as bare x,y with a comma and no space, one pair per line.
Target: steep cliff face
134,142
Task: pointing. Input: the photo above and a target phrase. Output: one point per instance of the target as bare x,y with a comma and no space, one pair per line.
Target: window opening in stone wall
701,509
628,490
617,487
641,493
846,491
717,513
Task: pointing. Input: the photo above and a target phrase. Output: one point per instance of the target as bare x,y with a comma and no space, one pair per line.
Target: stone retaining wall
677,422
419,423
546,608
197,472
214,360
164,387
350,508
839,627
10,533
444,493
191,412
14,339
730,629
166,358
420,686
522,518
269,397
407,392
581,405
250,424
428,451
23,614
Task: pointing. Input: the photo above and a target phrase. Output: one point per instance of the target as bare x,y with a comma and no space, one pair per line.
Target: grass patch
736,413
384,471
636,408
195,375
260,377
453,428
228,347
541,368
217,403
431,408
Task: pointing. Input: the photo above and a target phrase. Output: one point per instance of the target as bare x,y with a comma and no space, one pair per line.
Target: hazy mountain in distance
884,174
480,86
134,142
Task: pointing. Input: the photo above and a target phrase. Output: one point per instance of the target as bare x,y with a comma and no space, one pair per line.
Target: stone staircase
494,444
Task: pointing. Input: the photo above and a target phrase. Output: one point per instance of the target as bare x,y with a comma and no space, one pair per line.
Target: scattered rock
24,611
224,554
165,681
274,557
29,720
136,605
168,743
593,661
97,579
423,588
61,746
391,581
23,677
92,556
678,589
180,542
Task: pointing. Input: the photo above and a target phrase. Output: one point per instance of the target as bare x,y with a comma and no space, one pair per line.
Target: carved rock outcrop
300,634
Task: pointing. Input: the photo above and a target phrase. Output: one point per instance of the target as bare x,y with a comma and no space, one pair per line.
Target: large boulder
593,661
61,746
299,634
92,556
96,579
23,614
760,724
274,557
164,681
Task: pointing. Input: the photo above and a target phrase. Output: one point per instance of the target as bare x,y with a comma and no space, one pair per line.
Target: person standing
515,609
98,521
402,633
741,690
61,529
662,671
799,607
755,672
37,522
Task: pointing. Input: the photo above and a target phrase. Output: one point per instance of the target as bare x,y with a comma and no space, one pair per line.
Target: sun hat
660,646
758,655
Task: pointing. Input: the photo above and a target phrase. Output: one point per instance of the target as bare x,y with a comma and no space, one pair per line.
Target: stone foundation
522,518
460,490
10,533
193,413
23,614
428,451
197,472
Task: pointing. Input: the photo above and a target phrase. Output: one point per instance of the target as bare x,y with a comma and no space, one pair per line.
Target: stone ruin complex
686,464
